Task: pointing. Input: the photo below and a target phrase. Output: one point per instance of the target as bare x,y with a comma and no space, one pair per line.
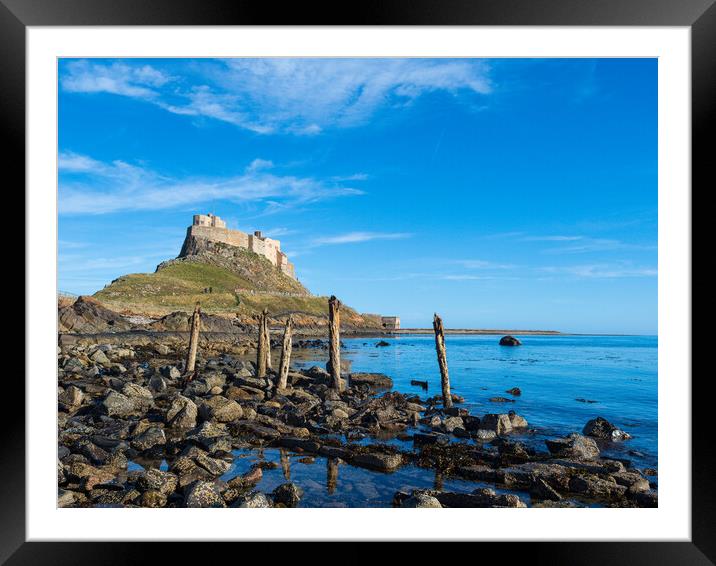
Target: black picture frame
699,15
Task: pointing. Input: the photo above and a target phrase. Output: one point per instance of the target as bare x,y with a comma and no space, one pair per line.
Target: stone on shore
203,494
373,380
603,429
287,494
573,446
378,461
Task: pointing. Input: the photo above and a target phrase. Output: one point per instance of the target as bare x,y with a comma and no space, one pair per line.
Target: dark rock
220,409
203,494
501,400
542,490
255,500
153,436
157,480
602,428
509,341
153,498
170,372
182,413
574,446
382,344
516,391
499,423
378,461
421,500
373,380
288,494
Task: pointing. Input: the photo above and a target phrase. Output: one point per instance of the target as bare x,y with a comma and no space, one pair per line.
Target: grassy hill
179,284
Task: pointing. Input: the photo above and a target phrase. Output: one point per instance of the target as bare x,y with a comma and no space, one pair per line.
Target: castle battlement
213,228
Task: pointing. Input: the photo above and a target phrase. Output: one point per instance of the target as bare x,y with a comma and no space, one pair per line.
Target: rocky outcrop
87,315
509,341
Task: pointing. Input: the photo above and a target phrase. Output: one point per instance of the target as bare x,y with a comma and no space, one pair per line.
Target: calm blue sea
617,373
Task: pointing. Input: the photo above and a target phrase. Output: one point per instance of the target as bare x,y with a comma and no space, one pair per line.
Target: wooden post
261,350
285,355
285,464
268,341
334,337
442,360
193,340
332,475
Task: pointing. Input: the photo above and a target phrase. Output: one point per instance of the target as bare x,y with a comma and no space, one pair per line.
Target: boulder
573,446
220,409
157,480
509,341
203,494
182,413
516,391
170,372
153,436
378,461
603,429
153,498
373,380
421,500
71,398
140,396
255,500
499,423
99,357
288,494
516,420
452,423
119,405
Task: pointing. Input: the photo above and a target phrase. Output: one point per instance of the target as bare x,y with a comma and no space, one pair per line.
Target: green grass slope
178,285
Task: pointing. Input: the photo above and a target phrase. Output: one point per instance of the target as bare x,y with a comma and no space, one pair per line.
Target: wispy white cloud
552,238
117,78
483,264
298,96
89,186
356,237
602,271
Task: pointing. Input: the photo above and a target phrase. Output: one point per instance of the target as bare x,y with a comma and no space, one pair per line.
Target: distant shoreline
476,331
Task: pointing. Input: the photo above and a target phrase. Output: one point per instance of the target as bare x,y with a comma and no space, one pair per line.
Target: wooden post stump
267,331
285,355
334,338
262,347
193,340
442,360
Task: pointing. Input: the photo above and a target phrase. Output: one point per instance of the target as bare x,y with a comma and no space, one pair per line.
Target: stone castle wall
214,229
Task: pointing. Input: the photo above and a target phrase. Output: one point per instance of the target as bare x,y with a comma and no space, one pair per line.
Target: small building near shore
390,322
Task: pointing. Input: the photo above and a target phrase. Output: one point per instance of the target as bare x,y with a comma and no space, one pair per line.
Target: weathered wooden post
334,337
285,355
262,346
267,330
285,464
193,340
332,475
442,360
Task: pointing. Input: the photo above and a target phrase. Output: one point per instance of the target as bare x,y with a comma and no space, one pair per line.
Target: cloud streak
294,96
88,186
357,237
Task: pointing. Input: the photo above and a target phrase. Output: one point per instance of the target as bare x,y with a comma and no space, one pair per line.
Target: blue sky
501,193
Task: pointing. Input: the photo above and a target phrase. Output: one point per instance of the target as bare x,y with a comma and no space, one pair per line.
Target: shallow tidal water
618,374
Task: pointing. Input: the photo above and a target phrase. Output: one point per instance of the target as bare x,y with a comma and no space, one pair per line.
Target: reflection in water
332,475
285,464
438,482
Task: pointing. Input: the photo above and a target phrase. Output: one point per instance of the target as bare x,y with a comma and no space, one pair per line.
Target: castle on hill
213,228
